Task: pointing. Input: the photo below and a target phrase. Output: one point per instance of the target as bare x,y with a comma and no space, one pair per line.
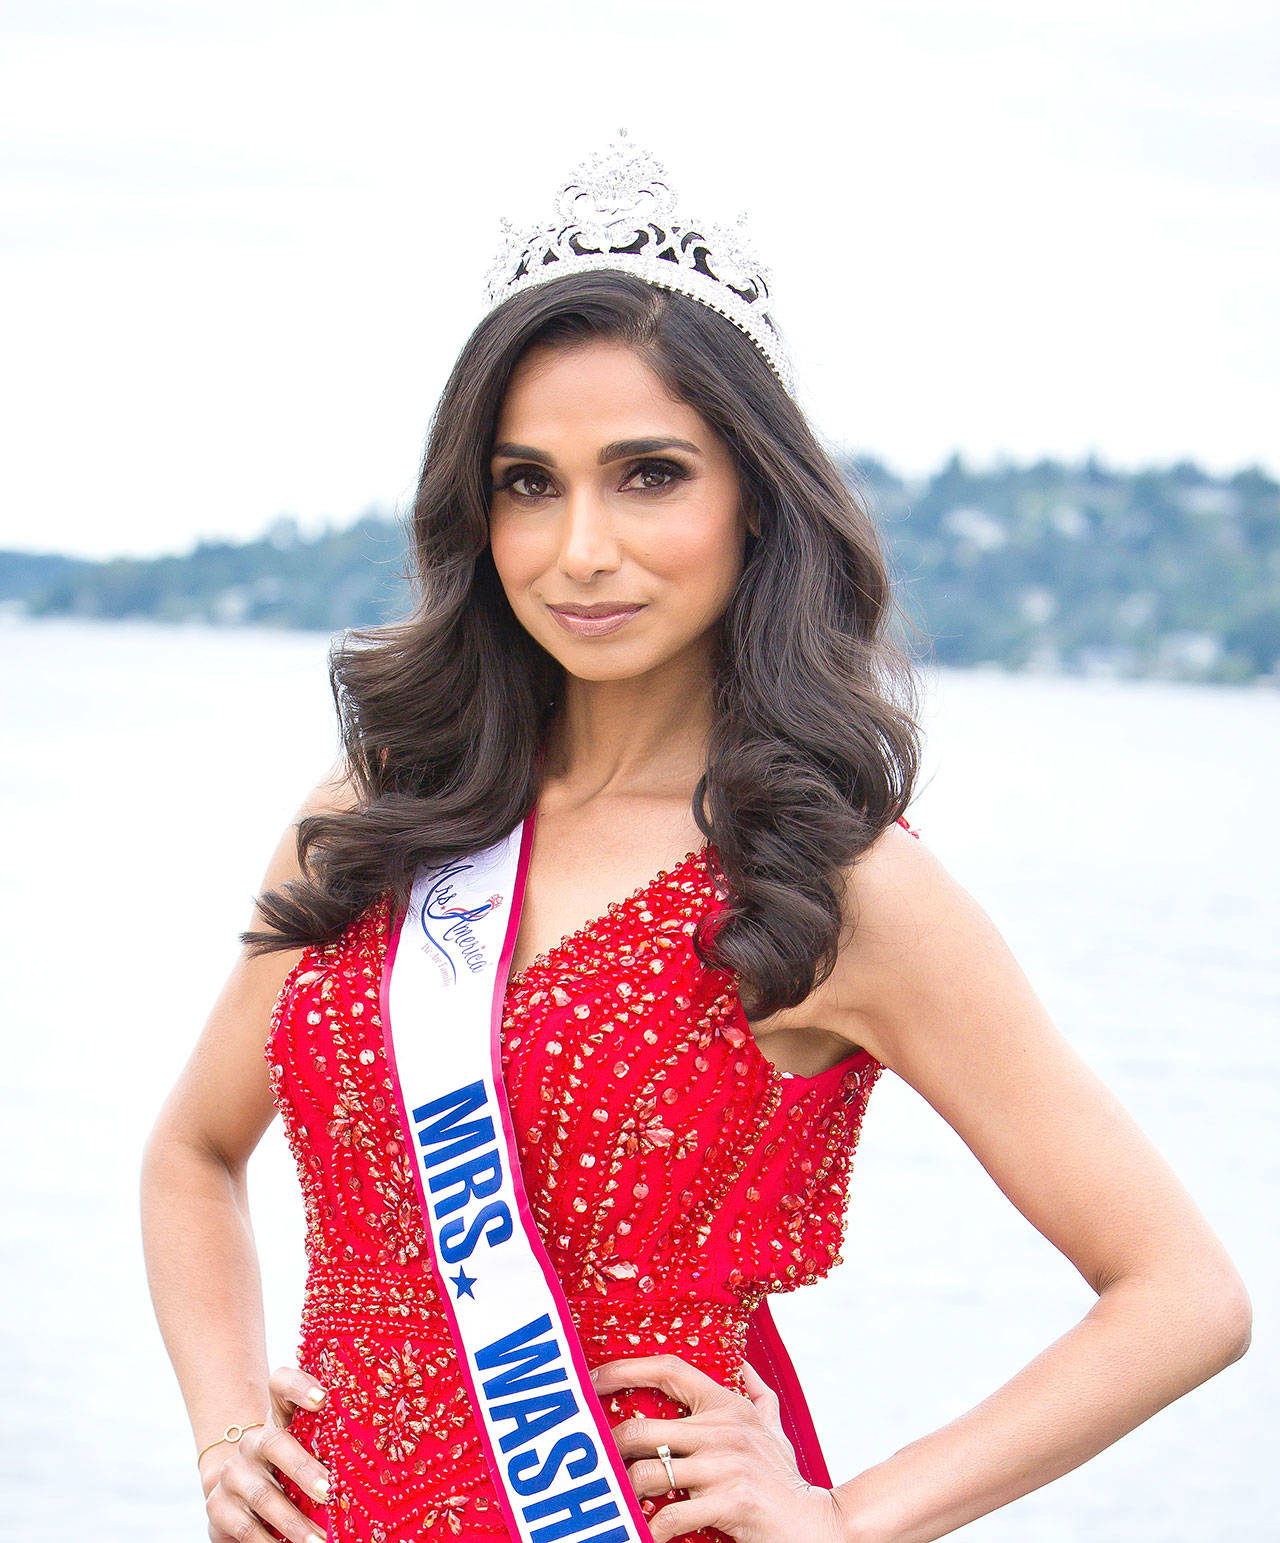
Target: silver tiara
618,210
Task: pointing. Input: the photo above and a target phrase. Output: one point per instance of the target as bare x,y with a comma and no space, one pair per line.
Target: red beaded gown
676,1176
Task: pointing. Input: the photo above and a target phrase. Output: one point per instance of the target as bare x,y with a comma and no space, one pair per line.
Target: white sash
551,1451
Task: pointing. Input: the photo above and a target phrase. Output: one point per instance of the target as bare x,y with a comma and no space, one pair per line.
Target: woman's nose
588,534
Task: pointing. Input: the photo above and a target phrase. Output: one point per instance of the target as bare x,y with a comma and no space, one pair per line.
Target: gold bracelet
232,1433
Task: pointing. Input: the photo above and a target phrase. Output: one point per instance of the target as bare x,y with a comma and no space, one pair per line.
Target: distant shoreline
1166,573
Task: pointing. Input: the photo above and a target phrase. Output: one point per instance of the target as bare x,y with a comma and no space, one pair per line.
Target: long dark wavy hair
815,747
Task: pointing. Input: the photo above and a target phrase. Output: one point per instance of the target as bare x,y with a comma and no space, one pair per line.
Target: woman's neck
614,735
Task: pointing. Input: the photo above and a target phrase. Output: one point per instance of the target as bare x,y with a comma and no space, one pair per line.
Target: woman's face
608,492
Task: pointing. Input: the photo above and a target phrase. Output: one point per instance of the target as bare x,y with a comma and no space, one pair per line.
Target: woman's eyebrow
617,451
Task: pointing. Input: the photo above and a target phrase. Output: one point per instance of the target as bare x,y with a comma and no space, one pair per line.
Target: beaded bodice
675,1175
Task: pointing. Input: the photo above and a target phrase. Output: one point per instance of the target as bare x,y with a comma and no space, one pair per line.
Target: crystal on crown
618,210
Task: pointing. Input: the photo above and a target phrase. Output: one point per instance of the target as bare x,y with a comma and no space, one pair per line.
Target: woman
727,933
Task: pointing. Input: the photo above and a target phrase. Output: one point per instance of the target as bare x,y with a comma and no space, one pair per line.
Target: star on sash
464,1283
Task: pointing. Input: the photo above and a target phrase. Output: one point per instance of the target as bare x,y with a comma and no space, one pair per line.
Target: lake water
1123,836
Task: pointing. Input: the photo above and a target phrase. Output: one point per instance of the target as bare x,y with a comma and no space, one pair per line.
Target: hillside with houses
1168,572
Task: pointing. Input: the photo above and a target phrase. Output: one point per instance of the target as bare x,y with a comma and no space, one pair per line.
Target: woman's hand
729,1455
242,1492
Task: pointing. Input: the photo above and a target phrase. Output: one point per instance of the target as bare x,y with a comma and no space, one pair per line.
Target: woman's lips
594,626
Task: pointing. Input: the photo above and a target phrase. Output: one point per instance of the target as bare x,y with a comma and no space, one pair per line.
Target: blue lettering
576,1518
526,1483
465,1246
475,1176
450,1108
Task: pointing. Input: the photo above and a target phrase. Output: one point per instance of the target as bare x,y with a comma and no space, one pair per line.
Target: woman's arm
202,1266
928,985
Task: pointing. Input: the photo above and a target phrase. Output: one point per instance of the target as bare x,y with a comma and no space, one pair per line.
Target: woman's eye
667,469
522,476
670,472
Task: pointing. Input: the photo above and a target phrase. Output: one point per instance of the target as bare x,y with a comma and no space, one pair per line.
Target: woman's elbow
1237,1320
1225,1311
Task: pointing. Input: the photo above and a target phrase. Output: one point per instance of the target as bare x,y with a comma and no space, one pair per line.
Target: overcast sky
242,243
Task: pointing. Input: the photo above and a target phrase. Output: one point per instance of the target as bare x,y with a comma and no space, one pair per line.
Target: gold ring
664,1452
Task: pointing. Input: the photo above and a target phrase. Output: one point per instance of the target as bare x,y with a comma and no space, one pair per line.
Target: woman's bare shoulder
334,793
908,923
931,987
222,1101
928,983
883,886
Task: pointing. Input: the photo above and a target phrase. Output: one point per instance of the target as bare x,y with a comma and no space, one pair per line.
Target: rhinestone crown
618,210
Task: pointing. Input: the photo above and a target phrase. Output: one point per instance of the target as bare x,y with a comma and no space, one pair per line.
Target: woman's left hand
729,1455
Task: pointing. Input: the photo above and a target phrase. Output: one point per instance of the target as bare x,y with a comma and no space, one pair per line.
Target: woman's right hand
242,1492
